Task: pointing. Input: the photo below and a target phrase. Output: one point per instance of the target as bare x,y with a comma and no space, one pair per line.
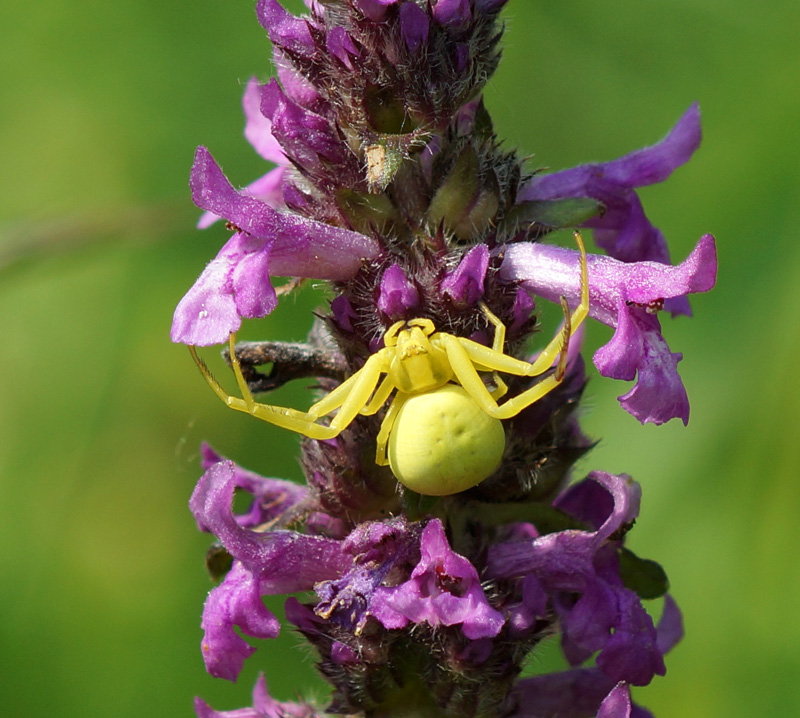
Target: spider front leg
348,397
467,358
493,359
355,395
558,345
287,361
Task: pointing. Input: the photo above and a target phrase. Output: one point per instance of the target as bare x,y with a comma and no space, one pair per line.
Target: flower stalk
390,185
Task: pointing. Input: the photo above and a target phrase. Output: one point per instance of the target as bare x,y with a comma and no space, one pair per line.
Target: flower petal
569,694
414,26
271,497
444,589
631,653
616,704
258,127
284,561
397,295
302,247
236,283
306,137
341,45
268,189
208,312
286,31
264,706
258,131
670,627
235,602
624,231
454,14
624,296
464,285
638,349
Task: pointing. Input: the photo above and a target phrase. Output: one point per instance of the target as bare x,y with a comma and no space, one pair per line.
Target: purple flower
272,498
341,45
444,589
258,131
306,137
623,230
285,561
235,602
398,297
588,692
464,285
265,563
579,693
378,550
264,706
625,296
269,243
607,617
286,31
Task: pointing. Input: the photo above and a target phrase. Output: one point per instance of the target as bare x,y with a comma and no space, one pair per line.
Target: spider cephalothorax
441,433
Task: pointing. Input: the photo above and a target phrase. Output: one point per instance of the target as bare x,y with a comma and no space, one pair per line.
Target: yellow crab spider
442,432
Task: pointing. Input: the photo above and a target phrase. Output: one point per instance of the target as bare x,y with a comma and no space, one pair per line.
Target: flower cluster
389,183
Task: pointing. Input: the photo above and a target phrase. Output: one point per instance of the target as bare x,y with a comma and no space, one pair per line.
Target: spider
442,433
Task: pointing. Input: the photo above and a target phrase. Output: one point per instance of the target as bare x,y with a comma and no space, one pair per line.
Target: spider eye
443,443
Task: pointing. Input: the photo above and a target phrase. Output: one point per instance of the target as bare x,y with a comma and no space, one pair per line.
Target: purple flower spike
385,179
624,231
624,296
264,706
398,296
444,589
236,283
464,285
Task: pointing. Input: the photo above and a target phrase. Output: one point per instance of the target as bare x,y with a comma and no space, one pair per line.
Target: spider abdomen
442,442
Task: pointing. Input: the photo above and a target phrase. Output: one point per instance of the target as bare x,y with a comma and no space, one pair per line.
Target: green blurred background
101,417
